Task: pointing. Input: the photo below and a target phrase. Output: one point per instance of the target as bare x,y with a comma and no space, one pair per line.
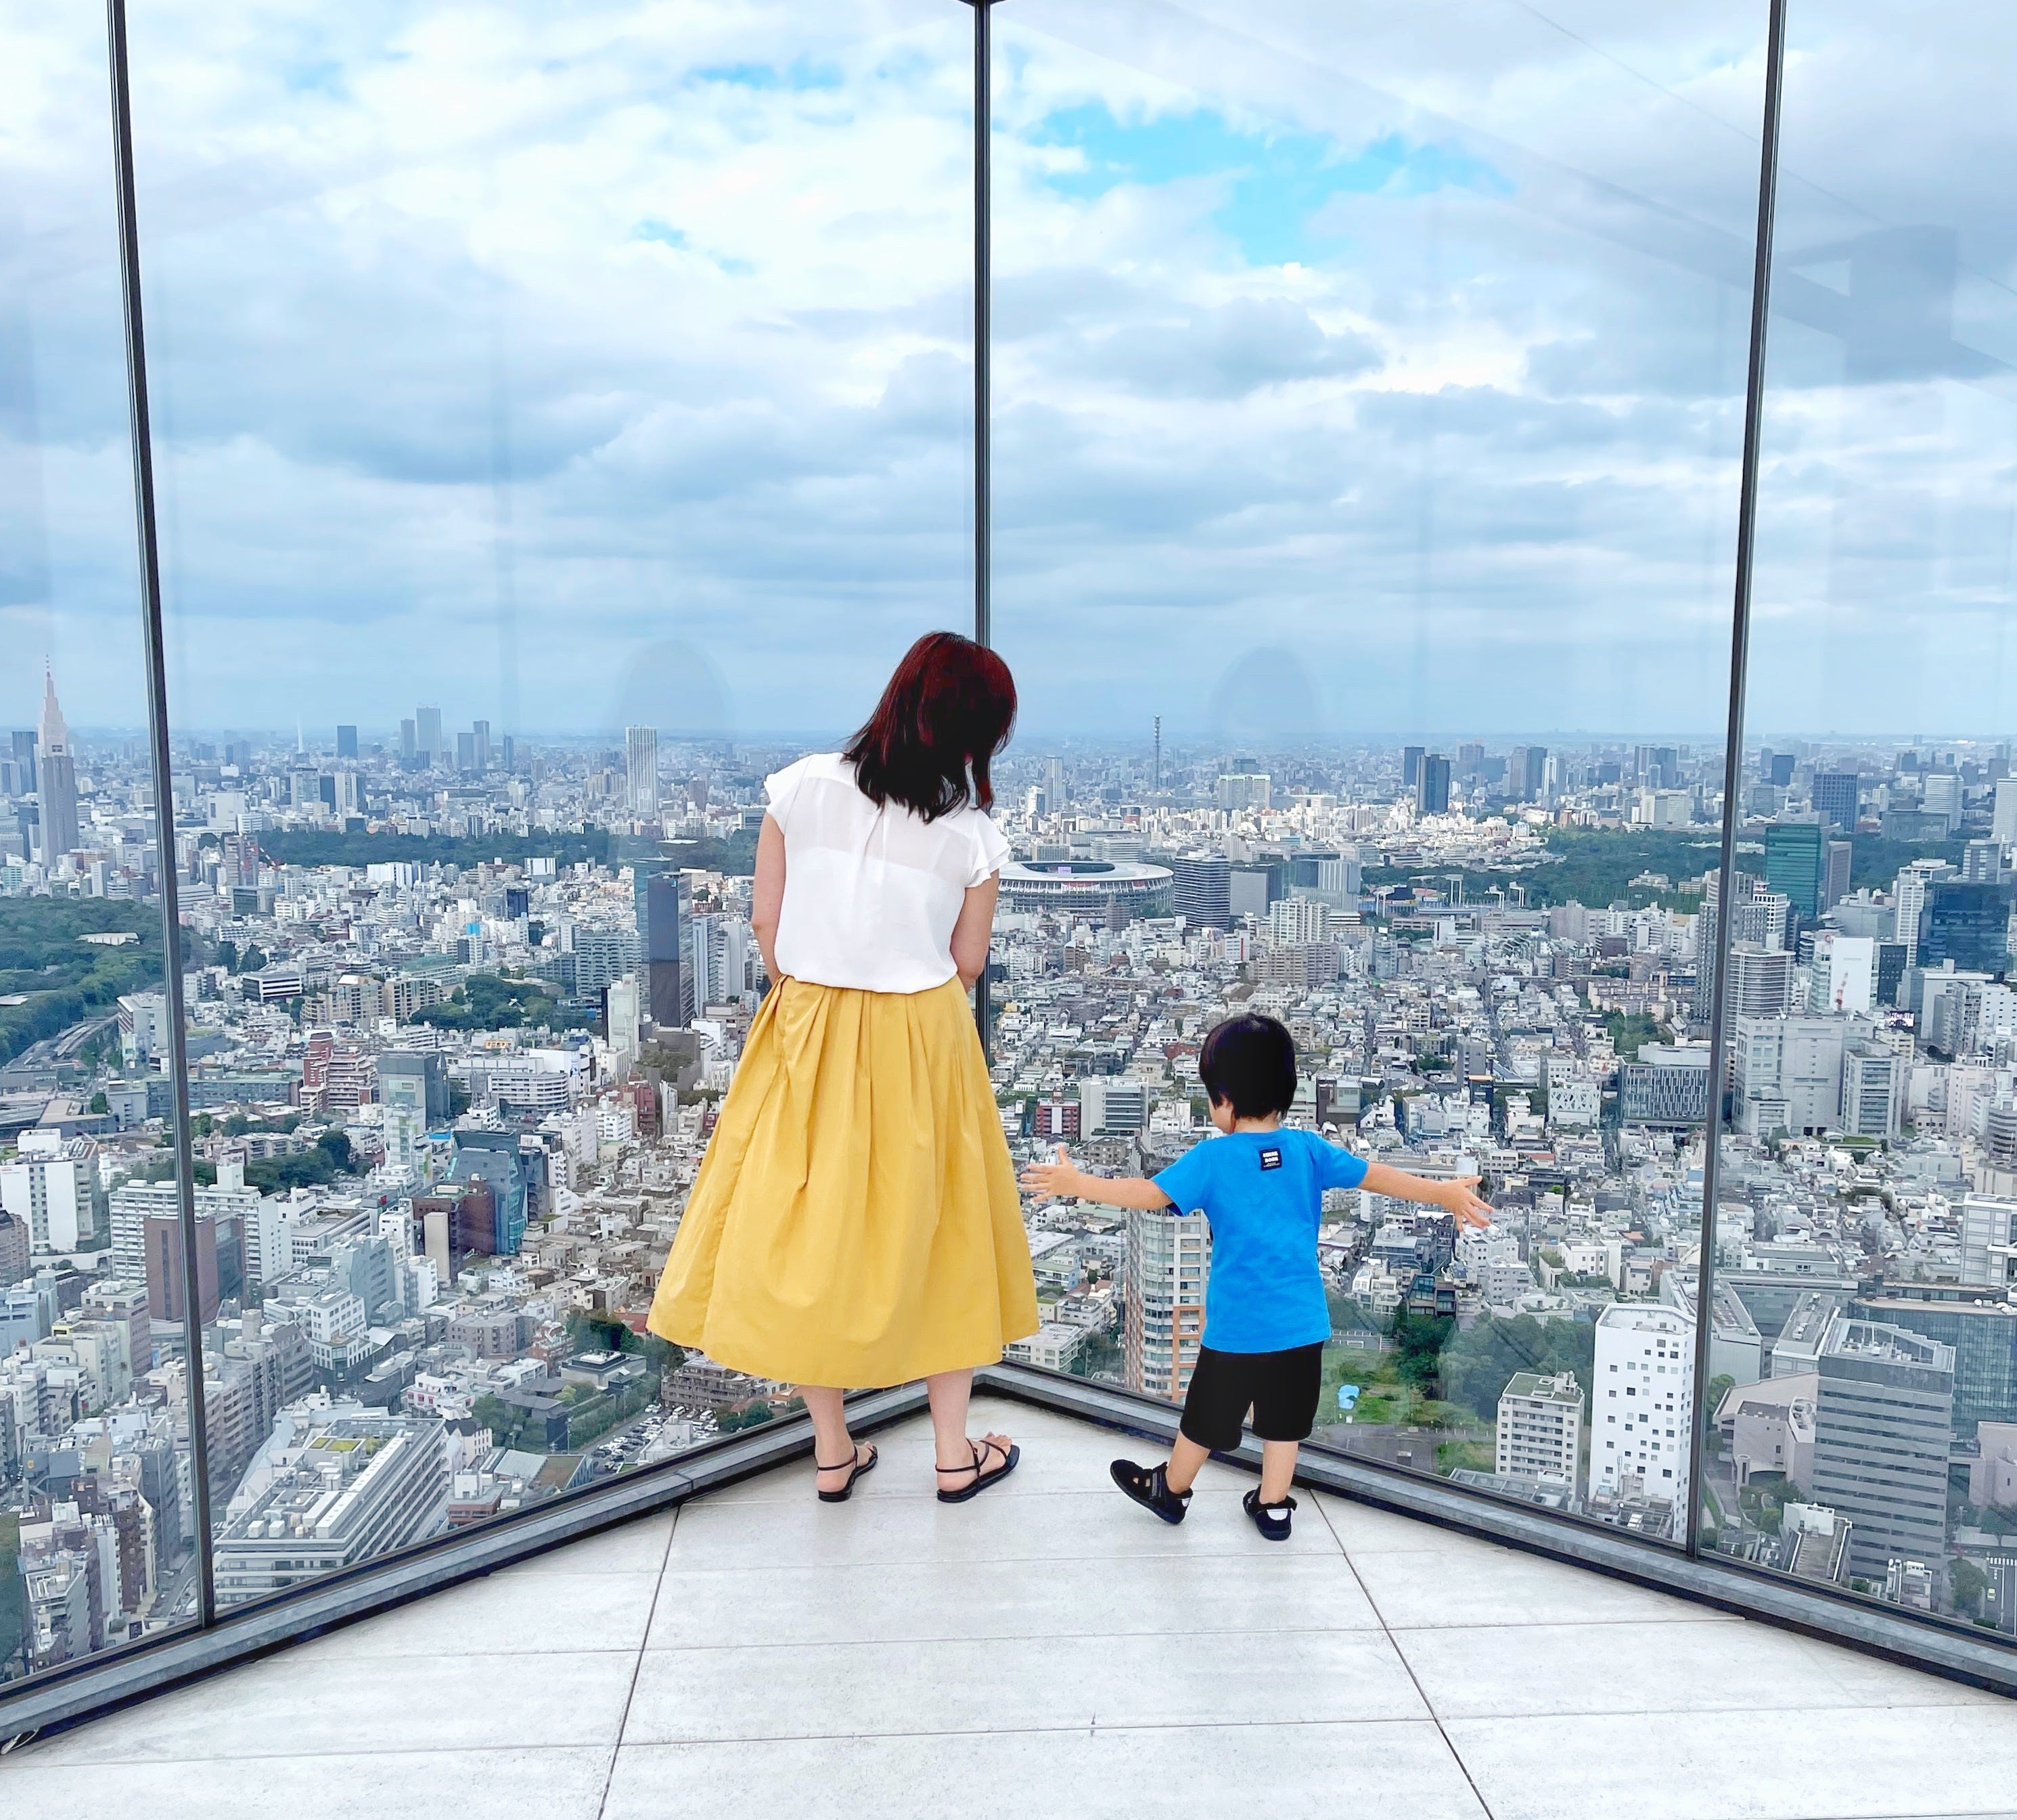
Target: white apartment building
1169,1256
1643,1401
1988,1239
1540,1428
53,1187
134,1203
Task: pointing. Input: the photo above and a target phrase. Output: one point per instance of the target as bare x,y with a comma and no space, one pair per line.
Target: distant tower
1158,784
56,771
641,746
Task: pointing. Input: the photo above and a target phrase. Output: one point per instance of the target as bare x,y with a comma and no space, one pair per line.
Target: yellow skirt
855,1221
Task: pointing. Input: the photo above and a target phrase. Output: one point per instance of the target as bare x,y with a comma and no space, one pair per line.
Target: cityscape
461,1006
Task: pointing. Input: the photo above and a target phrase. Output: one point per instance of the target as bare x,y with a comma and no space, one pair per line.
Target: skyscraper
55,775
479,732
1432,787
1793,864
1202,890
1163,1316
1909,891
427,731
640,752
24,758
1968,925
1882,1438
1838,862
1411,765
1835,798
2003,825
346,742
409,741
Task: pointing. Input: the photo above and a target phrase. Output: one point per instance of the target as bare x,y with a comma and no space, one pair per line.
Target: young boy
1266,1316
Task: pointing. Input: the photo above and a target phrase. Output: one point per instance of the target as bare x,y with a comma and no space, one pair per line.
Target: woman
856,1220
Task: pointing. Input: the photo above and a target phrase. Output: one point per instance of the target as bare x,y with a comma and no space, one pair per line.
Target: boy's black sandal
860,1466
1150,1488
981,1480
1275,1529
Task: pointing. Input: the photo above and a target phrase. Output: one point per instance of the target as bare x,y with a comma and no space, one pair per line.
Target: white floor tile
377,1784
891,1531
1040,1683
520,1613
298,1703
1064,1598
637,1547
1366,1529
1776,1764
1398,1772
1501,1670
1481,1584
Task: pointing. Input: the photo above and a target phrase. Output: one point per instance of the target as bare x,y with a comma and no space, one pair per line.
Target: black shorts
1280,1388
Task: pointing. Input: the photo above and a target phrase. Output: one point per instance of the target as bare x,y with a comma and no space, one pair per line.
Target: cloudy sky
1361,369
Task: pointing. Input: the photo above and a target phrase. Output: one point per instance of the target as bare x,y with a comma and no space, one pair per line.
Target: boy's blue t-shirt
1263,1193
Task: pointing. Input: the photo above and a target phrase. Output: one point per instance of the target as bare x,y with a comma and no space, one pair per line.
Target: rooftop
1046,1650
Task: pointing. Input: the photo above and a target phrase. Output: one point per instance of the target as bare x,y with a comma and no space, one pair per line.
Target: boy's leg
1278,1469
1186,1458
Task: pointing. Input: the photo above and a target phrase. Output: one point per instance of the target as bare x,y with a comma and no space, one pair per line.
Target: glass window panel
1368,399
96,1534
1866,1179
564,420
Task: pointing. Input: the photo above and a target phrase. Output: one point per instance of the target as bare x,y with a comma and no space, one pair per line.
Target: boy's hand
1460,1197
1051,1181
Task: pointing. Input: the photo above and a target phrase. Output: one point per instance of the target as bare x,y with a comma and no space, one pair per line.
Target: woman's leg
950,1392
831,1443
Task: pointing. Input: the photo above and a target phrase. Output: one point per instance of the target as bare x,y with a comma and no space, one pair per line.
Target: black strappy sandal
981,1480
859,1466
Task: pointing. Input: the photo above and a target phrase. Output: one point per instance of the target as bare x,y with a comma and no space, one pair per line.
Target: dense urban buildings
457,1034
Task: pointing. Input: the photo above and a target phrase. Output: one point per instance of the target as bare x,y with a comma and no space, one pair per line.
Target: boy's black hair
1249,1061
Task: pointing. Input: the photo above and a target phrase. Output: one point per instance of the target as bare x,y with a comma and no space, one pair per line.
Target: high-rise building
55,776
1793,864
409,745
1834,797
640,756
24,760
1525,768
1411,765
465,752
1781,770
1788,1070
1942,796
1201,890
1643,1404
1881,1436
1540,1428
1978,1321
427,723
2002,823
53,1186
1432,789
1838,864
1872,1081
1989,1241
1168,1259
479,733
220,1263
1761,981
1968,925
1237,790
1910,894
346,742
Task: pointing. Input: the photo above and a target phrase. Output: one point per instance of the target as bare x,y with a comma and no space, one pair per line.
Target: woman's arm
1456,1196
766,895
971,936
1062,1180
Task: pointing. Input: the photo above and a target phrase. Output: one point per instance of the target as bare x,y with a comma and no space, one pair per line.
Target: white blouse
872,894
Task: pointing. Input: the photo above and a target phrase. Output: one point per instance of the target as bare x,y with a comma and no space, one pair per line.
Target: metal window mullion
983,615
141,431
1732,754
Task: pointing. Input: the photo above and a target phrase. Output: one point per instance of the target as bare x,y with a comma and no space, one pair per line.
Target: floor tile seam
990,1637
979,1560
1421,1693
1847,1706
638,1667
1095,1726
1695,1617
23,1758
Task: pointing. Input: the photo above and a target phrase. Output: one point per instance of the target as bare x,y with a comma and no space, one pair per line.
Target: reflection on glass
1867,1438
96,1536
562,425
1369,396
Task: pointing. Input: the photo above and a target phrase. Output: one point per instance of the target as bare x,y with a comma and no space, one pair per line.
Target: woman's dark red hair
947,712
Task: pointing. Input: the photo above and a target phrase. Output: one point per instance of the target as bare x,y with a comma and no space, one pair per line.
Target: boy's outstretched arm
1458,1196
1063,1180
